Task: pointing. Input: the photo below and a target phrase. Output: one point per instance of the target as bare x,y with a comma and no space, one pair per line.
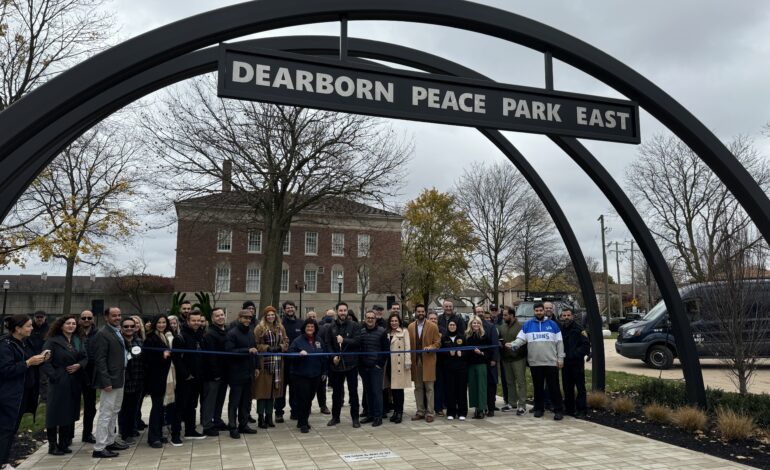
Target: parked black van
651,339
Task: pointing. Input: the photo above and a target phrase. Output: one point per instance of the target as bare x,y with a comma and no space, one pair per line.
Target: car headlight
631,332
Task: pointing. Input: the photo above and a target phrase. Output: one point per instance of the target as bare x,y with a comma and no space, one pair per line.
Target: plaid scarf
272,364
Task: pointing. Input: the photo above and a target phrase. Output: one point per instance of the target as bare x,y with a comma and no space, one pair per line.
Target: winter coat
240,368
293,327
37,338
135,368
86,338
214,365
373,341
351,342
155,366
454,363
63,400
544,342
18,381
576,344
400,376
430,337
507,335
189,366
312,365
109,359
266,386
443,320
491,330
486,354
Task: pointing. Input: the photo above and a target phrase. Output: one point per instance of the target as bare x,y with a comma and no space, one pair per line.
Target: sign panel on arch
298,80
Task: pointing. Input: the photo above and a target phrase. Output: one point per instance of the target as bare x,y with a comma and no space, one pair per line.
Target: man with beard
293,327
241,369
214,379
374,341
184,311
189,378
343,335
425,336
545,355
576,348
513,363
87,332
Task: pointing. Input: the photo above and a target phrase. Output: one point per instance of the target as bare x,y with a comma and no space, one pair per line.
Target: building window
364,280
255,241
338,277
225,240
285,278
287,244
311,278
253,278
364,243
311,243
338,244
222,281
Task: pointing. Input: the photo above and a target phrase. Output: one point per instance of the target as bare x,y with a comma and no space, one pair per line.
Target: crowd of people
186,366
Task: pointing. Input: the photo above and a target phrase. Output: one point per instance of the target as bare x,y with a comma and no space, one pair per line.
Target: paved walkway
503,442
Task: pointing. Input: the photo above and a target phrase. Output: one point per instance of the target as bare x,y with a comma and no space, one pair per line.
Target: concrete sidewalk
503,442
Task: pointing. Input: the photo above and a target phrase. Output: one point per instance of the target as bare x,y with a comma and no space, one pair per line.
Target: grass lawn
38,425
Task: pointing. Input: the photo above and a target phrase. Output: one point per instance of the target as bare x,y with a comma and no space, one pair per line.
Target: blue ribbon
348,353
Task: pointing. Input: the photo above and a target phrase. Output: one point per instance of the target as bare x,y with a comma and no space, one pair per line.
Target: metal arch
84,116
49,102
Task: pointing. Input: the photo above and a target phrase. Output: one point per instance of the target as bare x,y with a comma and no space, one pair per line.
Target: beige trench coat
400,364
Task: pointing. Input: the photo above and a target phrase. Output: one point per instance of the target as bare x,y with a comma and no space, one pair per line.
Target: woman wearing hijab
455,366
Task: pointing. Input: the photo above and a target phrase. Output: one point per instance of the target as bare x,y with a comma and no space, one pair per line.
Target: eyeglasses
86,318
129,327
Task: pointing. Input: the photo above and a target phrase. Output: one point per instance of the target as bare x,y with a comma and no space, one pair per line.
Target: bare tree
39,38
285,160
80,200
685,204
136,285
537,251
735,311
492,198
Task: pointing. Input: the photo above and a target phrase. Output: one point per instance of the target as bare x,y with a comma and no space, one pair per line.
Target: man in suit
423,335
110,359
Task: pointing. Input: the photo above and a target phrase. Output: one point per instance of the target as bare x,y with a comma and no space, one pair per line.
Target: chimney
227,175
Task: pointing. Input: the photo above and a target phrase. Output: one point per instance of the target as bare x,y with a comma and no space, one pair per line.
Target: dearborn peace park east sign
274,351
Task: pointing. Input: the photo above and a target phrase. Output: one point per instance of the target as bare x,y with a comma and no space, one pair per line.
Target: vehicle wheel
659,357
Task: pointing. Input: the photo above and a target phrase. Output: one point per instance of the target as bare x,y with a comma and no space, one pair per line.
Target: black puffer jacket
189,366
372,341
240,368
214,365
351,342
576,344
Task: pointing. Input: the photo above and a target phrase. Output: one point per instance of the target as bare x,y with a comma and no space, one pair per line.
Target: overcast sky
711,56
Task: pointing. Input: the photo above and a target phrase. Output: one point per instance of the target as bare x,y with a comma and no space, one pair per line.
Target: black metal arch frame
28,120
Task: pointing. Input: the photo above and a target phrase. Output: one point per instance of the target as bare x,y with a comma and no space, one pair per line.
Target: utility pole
618,251
633,274
606,275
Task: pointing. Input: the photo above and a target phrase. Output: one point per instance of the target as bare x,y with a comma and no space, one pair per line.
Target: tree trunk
67,305
270,284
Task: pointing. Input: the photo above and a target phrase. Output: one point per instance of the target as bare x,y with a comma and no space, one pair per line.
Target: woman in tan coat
397,373
271,337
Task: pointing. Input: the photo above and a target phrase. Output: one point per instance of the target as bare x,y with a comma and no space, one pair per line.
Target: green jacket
508,335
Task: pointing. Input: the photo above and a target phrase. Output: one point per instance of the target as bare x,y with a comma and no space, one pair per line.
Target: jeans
109,407
372,378
573,377
155,425
187,394
542,375
338,380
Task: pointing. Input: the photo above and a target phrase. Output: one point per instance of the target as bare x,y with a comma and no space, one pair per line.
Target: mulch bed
26,443
751,452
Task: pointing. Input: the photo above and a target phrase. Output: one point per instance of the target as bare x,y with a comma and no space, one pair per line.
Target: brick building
336,243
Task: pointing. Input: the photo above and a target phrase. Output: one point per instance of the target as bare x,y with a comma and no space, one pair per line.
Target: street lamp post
339,288
300,287
6,286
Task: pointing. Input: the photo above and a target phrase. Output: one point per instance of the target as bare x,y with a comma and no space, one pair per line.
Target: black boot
269,420
399,417
262,423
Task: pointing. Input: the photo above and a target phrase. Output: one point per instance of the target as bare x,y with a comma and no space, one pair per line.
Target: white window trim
288,278
248,241
368,248
287,241
316,244
343,245
259,278
218,282
304,279
335,282
230,236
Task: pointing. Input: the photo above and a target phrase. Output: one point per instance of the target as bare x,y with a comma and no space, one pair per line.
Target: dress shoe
54,450
262,423
377,422
279,418
104,454
89,438
164,440
417,417
333,422
247,430
393,417
211,432
304,429
292,416
558,417
356,423
399,417
429,419
440,413
539,413
117,446
156,445
580,414
269,421
252,420
141,426
194,435
366,420
235,434
491,413
65,449
325,410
